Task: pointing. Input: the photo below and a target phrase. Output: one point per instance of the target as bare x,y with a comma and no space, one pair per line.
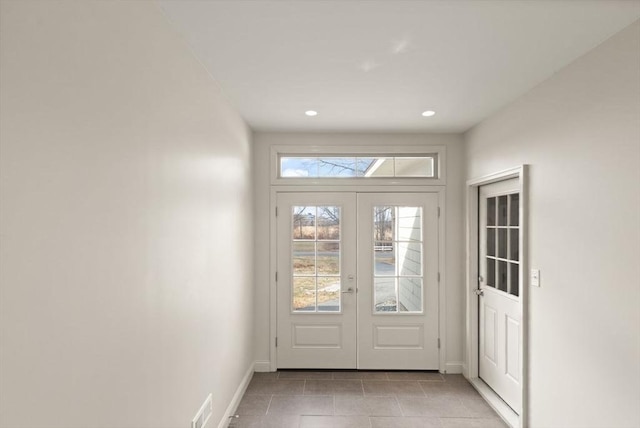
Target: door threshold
311,369
502,409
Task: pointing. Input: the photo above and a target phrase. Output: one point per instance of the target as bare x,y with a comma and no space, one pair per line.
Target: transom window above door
360,165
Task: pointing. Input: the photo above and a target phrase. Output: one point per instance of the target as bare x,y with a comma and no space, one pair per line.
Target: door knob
348,290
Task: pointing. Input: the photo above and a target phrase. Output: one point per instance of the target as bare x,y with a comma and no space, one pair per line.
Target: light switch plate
535,277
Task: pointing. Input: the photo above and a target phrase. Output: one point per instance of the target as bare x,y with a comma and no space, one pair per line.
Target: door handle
348,291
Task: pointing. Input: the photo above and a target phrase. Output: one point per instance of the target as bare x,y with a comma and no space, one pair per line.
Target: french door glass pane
502,276
491,241
409,224
491,211
304,258
502,210
491,273
328,258
410,291
514,209
502,243
385,299
328,294
514,244
409,259
384,259
315,258
397,259
514,279
304,222
304,293
329,223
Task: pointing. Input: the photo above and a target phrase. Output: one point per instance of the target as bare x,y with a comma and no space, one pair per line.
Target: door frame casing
471,369
273,262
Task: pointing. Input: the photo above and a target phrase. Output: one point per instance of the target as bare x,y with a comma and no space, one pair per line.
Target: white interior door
398,281
499,282
316,251
357,284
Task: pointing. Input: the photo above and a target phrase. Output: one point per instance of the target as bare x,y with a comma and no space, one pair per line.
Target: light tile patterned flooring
362,399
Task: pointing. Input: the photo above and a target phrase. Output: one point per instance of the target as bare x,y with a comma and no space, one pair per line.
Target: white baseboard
454,367
262,366
237,397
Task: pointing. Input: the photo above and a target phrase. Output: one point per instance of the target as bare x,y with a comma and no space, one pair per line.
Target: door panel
316,250
500,314
398,281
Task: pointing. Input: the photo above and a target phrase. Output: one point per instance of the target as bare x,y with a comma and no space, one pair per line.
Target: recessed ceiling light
311,113
428,113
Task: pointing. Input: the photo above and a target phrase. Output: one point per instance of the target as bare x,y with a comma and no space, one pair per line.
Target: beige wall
454,224
580,132
125,212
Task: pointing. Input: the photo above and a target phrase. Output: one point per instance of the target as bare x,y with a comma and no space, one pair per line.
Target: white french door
357,280
316,287
398,281
499,284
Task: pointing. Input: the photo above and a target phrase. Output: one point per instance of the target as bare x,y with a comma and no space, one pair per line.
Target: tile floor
362,399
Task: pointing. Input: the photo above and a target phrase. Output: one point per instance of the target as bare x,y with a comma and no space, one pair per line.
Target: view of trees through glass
316,258
357,166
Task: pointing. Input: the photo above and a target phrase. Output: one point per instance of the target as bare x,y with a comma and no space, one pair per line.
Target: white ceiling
376,65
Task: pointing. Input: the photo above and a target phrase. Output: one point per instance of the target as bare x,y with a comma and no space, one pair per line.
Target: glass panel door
499,311
316,298
398,281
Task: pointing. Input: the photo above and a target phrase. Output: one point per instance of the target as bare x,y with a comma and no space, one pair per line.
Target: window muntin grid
503,243
397,259
316,259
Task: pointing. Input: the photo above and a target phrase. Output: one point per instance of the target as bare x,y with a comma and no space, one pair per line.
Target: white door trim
442,286
471,334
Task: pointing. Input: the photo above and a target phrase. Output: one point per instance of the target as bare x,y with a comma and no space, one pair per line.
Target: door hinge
438,276
276,342
276,211
438,212
276,276
438,343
